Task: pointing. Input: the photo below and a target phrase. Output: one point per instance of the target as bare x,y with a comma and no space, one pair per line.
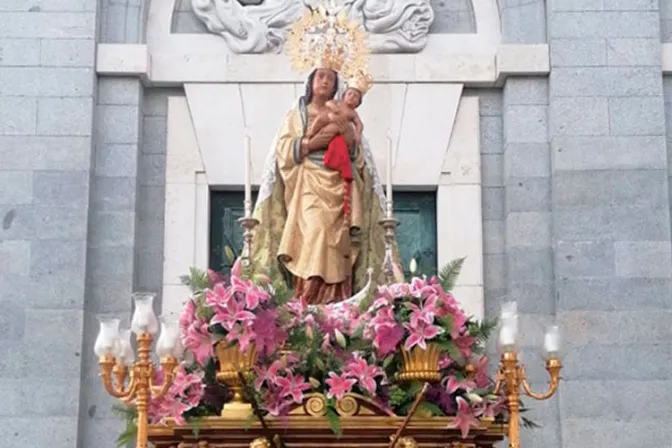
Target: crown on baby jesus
322,40
361,81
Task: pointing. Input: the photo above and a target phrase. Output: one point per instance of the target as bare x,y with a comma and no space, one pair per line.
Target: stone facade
574,181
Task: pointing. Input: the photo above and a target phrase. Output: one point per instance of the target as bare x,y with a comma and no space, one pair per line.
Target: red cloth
337,158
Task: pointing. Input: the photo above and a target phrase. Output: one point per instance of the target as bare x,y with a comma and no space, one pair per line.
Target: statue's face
324,82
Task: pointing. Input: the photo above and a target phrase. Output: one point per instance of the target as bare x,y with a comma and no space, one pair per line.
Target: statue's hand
349,136
320,140
343,123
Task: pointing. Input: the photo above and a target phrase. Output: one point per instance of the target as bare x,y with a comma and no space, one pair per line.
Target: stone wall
47,94
610,231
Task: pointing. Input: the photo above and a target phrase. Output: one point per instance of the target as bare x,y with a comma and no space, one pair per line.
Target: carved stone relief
393,26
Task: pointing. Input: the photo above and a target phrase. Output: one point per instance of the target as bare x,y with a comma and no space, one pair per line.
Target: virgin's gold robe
300,210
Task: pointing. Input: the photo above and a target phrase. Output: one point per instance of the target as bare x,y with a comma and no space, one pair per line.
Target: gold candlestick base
389,224
248,223
236,410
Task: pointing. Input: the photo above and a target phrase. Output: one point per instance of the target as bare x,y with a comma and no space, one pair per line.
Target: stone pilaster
611,229
46,131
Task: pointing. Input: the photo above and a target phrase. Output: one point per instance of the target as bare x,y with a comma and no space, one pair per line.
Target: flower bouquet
332,352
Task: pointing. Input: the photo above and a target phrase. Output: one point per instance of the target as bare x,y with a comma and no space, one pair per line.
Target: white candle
507,336
552,341
248,173
509,331
389,167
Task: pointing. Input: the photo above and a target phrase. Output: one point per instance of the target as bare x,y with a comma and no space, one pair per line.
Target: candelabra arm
553,367
132,390
168,365
107,370
499,380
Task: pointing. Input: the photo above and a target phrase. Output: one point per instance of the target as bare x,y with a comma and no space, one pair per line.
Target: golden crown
323,40
361,81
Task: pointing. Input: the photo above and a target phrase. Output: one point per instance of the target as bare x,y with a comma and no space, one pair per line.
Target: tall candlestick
248,176
389,169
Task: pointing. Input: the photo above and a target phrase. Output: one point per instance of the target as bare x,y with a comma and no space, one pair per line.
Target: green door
225,209
416,233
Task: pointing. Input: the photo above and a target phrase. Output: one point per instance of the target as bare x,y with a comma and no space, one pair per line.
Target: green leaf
527,423
127,436
387,361
128,414
415,388
334,421
451,350
320,364
229,254
248,423
446,322
430,408
195,424
449,273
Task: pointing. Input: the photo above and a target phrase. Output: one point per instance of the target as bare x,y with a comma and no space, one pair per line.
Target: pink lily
218,296
242,334
339,385
269,374
387,339
424,313
464,343
387,294
365,373
420,288
197,338
453,385
419,335
490,409
230,315
253,294
214,277
481,372
292,386
444,361
268,334
237,268
464,419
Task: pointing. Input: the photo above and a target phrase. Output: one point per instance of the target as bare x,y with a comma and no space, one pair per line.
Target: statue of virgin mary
322,244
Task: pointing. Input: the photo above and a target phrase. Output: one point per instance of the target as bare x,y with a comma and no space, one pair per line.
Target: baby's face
352,98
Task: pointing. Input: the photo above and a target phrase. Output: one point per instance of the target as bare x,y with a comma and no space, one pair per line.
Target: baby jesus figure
337,156
344,108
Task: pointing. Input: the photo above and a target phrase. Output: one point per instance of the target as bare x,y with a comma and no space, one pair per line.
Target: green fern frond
334,421
128,414
197,281
450,272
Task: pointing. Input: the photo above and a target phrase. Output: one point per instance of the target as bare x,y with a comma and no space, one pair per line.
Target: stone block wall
46,74
611,230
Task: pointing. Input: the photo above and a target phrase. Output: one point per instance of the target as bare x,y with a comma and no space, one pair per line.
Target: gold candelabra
511,372
135,381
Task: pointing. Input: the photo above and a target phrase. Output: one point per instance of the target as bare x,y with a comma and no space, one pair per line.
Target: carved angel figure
393,26
249,29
